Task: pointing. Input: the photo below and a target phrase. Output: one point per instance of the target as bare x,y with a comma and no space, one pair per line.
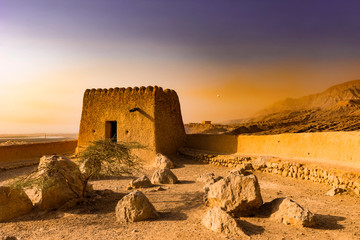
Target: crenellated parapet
129,90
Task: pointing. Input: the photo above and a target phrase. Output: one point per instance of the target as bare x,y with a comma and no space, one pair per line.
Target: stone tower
150,116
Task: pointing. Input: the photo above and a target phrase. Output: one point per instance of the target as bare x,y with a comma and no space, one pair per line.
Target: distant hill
345,96
336,109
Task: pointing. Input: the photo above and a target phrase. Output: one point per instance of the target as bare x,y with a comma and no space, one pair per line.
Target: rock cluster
135,207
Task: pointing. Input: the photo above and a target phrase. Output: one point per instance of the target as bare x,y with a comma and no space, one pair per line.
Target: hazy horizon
251,54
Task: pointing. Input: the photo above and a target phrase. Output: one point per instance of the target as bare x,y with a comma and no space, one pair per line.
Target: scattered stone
13,203
135,207
287,211
259,163
164,176
335,191
63,182
162,162
218,220
141,182
237,194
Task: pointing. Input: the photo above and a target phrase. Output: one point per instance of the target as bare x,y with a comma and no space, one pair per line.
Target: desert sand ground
181,209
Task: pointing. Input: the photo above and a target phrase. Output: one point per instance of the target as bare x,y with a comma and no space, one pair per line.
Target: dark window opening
111,130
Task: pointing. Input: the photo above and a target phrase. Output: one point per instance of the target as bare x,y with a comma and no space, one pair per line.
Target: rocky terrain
336,109
183,213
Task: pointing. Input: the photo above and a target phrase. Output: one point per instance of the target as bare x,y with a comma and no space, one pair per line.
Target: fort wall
149,116
170,132
213,142
23,152
330,148
335,148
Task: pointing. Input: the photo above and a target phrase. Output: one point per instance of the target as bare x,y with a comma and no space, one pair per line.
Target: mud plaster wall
337,148
35,150
157,124
212,142
169,127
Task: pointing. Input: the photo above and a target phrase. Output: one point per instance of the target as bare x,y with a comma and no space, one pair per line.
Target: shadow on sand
328,222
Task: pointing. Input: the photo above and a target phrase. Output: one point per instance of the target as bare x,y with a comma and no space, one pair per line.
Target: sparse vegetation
108,158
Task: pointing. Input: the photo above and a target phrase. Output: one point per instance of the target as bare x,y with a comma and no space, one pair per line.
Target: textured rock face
90,167
13,203
163,176
287,211
63,181
135,207
236,194
259,162
208,179
141,182
219,221
162,162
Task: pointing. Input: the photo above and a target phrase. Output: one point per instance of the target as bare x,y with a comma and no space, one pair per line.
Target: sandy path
181,209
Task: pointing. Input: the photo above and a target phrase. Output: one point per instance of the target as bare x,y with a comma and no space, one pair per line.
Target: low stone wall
24,152
212,142
347,180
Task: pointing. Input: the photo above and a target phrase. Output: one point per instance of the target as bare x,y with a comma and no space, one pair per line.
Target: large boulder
135,207
60,180
13,203
237,194
218,220
287,211
162,161
164,176
141,182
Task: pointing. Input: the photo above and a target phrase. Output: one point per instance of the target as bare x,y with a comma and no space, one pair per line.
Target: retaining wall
30,151
335,148
212,142
337,178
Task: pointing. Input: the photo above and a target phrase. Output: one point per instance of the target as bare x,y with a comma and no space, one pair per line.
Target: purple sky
193,46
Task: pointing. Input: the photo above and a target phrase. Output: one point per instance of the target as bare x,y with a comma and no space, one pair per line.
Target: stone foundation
350,181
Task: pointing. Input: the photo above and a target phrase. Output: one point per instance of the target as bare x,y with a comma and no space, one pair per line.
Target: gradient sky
251,53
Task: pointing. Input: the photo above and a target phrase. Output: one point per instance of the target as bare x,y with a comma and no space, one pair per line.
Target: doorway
111,130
